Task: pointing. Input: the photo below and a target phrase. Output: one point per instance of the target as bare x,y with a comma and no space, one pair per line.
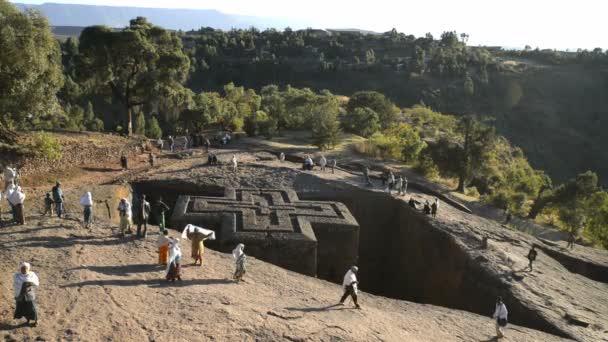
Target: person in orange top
163,243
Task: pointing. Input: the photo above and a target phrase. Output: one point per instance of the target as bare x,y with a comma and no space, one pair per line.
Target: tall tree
478,141
30,69
135,65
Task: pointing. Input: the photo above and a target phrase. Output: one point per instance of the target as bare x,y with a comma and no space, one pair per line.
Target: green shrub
44,145
426,167
153,130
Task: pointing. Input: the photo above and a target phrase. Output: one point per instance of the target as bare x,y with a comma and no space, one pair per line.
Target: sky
557,24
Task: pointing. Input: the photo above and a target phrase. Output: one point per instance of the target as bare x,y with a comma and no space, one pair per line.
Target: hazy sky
513,23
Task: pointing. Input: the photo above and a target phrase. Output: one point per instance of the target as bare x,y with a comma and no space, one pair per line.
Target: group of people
308,164
143,210
399,184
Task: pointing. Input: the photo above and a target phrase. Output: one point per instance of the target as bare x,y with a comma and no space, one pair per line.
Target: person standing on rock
16,199
350,284
404,186
333,166
126,217
48,205
434,208
235,163
143,214
207,145
163,243
368,182
500,315
323,163
391,182
571,239
58,199
124,162
161,208
86,201
282,157
398,185
531,257
239,259
173,270
151,159
160,143
24,283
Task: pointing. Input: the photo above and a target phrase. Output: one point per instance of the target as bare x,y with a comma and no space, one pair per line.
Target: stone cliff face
407,255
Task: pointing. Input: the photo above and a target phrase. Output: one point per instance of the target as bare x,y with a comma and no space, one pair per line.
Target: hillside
174,19
95,286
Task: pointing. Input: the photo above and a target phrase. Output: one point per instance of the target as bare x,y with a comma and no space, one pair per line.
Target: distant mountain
175,19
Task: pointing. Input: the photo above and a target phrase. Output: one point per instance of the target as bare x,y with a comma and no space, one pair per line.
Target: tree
363,121
326,130
135,65
30,70
478,140
375,101
153,130
91,122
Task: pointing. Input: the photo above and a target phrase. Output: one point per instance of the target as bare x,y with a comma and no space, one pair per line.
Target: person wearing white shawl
126,216
173,269
235,163
350,286
197,235
239,258
9,190
16,199
10,175
282,157
322,162
24,283
86,201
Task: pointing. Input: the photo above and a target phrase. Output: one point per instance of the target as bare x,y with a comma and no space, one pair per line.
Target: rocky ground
96,287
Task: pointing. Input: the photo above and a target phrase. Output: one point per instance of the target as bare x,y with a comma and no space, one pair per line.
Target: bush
426,167
362,121
472,192
44,145
153,130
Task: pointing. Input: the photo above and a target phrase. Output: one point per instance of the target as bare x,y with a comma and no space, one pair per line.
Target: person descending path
235,163
86,201
58,199
24,283
143,214
500,315
48,205
323,162
434,207
126,217
16,199
163,243
173,270
239,259
531,257
197,235
350,284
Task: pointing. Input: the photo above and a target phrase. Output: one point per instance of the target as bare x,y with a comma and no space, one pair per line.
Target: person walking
571,239
124,162
16,199
281,157
143,214
500,315
126,217
399,185
48,205
24,284
86,201
58,199
163,243
239,259
350,284
368,182
197,235
173,270
404,186
391,182
333,166
323,162
171,143
532,257
151,159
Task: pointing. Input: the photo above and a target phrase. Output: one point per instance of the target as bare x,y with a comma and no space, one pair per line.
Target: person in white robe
24,283
500,315
350,285
173,270
86,201
239,259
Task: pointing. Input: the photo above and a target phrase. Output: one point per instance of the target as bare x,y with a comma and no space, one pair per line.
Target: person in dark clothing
434,207
350,284
160,208
143,213
571,240
25,281
212,159
368,182
207,145
427,208
58,198
531,257
48,205
124,163
413,203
